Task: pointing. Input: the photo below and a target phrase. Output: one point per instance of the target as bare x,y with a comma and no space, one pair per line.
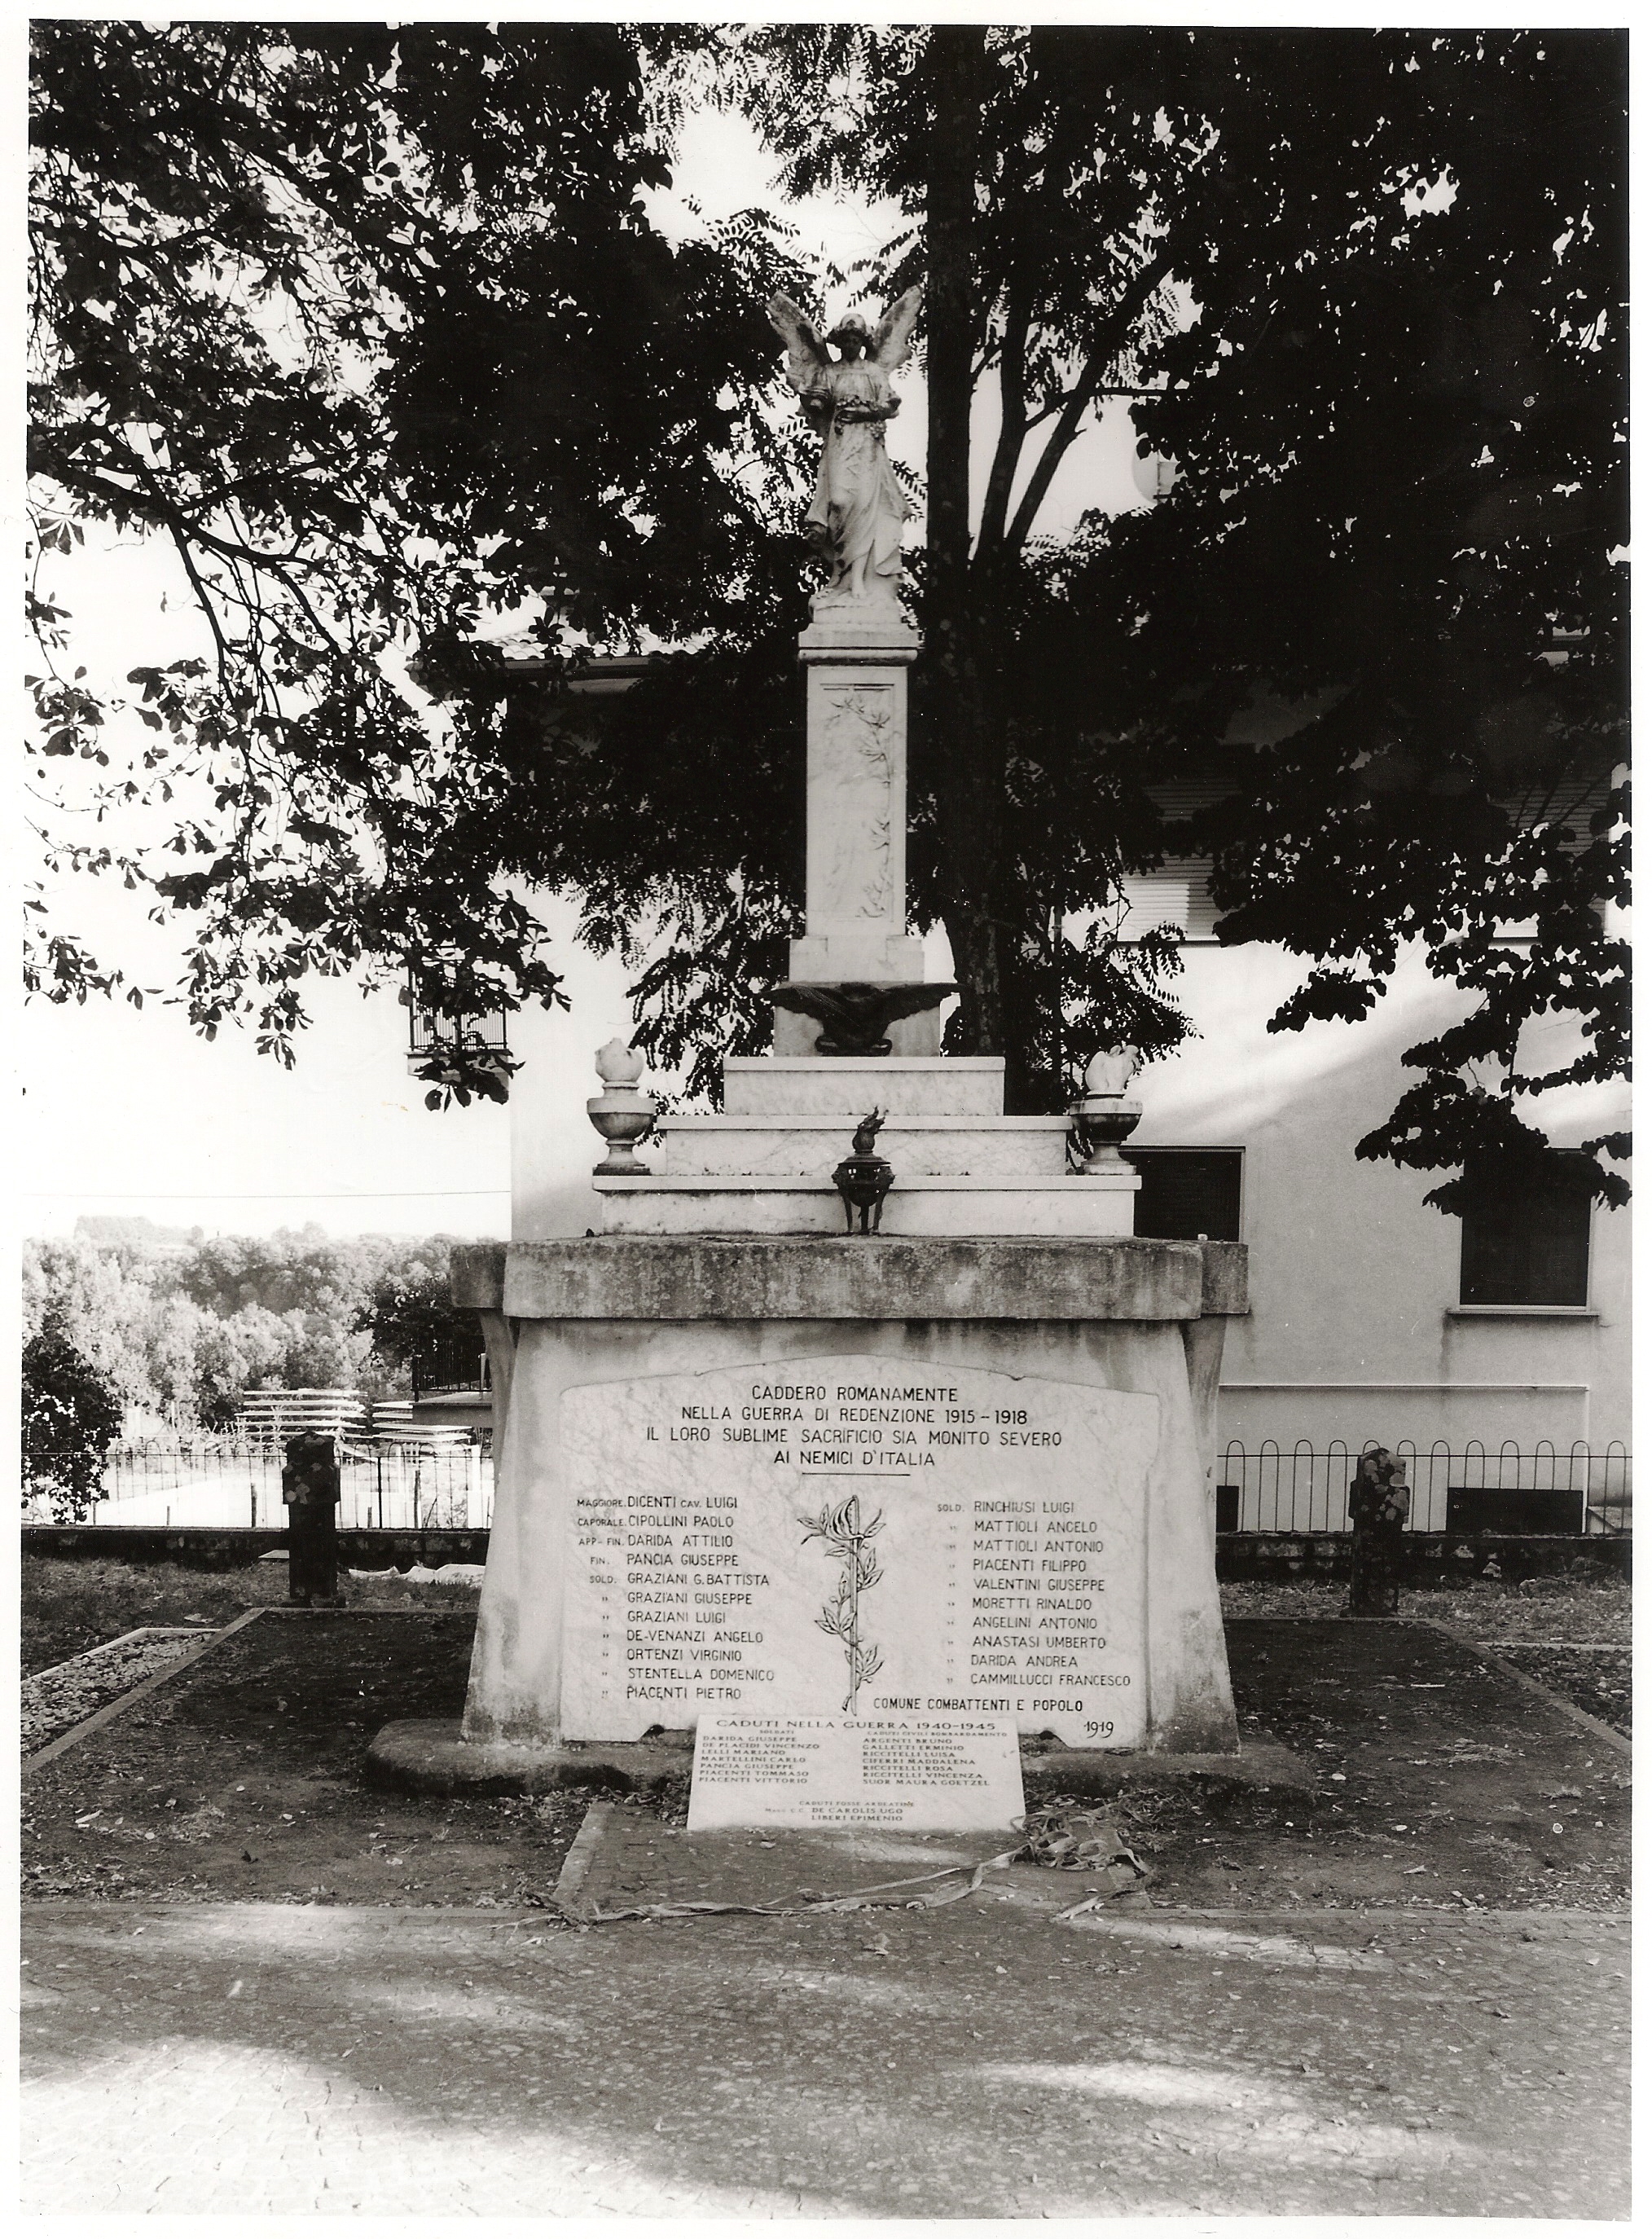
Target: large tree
1365,289
369,327
71,1416
1368,291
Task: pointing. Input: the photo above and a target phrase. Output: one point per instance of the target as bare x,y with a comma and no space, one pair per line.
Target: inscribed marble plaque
857,1536
928,1774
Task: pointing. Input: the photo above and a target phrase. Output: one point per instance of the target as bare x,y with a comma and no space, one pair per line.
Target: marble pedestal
856,659
747,1464
1023,1429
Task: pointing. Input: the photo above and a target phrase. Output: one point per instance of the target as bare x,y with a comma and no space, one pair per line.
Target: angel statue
854,522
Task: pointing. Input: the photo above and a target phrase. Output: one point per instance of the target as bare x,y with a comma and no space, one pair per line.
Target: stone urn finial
1111,1071
623,1114
1105,1116
618,1066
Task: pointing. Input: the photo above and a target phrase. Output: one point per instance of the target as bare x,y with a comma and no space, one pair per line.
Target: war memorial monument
862,1401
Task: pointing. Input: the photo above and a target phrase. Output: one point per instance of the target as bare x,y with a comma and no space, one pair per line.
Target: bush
71,1415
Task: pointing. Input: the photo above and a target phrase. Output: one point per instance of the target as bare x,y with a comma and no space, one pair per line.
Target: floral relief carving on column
856,768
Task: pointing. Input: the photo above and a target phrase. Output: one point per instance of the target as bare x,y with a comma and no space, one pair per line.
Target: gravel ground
69,1605
1597,1679
1545,1610
54,1701
980,2061
1541,1610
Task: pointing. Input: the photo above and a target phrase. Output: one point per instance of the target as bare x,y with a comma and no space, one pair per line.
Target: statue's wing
907,1002
805,351
823,1004
888,345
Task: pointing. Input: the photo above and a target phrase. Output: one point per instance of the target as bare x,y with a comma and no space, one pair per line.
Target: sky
130,1111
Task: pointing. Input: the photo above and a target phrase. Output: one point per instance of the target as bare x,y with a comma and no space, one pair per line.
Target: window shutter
1526,1247
1189,1193
1178,895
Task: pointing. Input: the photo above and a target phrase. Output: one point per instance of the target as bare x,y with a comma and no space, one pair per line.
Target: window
1526,1246
1187,1193
1178,895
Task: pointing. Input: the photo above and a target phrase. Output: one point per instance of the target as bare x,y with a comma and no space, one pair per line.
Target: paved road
982,2060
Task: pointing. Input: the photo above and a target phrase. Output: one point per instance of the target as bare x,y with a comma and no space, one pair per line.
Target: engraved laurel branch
850,1540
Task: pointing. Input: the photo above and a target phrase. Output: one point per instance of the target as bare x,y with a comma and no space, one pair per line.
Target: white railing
423,1481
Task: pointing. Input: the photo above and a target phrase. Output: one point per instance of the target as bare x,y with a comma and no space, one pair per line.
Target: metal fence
434,1481
1301,1488
422,1483
456,1360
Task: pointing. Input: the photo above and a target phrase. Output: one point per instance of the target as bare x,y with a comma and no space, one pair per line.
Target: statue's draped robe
858,508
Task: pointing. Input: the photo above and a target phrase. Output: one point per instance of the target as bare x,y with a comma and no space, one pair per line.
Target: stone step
1029,1148
811,1087
928,1204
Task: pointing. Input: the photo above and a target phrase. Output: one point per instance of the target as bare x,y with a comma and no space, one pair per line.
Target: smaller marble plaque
927,1775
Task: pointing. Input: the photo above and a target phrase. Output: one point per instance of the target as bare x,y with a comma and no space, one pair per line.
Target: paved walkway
981,2060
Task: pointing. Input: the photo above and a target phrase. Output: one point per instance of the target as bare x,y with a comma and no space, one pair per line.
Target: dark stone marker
309,1485
1379,1502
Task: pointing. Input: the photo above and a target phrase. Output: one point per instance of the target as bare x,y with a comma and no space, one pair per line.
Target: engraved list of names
923,1774
856,1536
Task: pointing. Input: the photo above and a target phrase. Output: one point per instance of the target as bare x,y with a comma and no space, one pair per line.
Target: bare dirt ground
1437,1782
243,1779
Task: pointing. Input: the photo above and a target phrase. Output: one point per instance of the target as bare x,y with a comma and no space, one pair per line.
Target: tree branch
1110,338
202,597
1012,430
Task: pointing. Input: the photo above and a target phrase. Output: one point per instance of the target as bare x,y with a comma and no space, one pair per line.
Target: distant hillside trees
181,1331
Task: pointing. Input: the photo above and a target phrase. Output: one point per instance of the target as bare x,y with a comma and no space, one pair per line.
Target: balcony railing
430,1030
456,1362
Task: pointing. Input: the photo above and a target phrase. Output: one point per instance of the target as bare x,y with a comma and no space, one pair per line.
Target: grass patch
70,1606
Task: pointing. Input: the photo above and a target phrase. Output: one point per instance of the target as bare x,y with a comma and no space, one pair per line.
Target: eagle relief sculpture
854,523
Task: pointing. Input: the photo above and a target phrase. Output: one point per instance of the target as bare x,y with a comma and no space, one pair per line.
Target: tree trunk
968,746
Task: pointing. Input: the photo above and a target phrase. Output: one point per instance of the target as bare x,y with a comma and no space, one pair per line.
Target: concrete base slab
632,1861
1262,1766
429,1757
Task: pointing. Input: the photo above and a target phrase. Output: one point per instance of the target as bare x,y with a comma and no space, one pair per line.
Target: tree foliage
408,1308
180,1331
1367,292
1365,289
70,1415
371,327
1404,506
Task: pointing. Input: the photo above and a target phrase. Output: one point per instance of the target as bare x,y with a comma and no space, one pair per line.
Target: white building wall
1355,1332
